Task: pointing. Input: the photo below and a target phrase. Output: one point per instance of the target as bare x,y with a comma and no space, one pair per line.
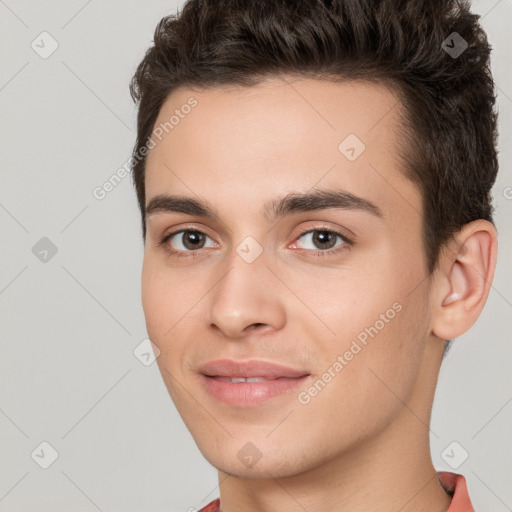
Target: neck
391,471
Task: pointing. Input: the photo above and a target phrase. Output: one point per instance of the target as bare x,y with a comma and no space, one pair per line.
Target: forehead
246,143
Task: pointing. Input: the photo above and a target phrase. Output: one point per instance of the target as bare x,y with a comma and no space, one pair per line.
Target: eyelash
194,254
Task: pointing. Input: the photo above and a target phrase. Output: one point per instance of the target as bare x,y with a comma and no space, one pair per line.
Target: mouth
249,383
237,380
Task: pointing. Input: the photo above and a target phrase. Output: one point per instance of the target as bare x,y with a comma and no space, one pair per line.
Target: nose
246,298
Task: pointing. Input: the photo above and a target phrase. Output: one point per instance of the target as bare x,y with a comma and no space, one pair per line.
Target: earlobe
467,270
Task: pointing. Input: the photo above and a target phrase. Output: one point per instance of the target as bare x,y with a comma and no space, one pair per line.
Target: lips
249,383
236,380
227,368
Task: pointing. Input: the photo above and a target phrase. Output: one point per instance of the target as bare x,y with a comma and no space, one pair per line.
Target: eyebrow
295,202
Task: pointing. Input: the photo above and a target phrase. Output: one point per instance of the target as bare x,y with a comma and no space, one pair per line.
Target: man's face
349,311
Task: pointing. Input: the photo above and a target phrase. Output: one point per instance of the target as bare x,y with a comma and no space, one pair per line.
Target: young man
314,180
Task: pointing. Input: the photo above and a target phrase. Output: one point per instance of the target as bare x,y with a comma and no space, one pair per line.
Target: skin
362,443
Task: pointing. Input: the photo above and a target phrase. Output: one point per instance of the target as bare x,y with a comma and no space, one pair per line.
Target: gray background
70,324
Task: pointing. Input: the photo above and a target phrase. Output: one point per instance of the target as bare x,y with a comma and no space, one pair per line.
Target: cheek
379,323
163,305
160,297
170,300
354,304
389,362
152,298
375,376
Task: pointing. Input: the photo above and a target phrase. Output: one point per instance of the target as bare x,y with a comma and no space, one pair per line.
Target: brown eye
192,239
187,241
323,239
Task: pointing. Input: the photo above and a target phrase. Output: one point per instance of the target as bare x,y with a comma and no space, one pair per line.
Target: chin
252,462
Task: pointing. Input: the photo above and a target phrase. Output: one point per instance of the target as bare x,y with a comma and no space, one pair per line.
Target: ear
465,273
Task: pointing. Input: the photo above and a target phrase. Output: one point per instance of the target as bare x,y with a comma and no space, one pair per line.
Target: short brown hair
449,136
